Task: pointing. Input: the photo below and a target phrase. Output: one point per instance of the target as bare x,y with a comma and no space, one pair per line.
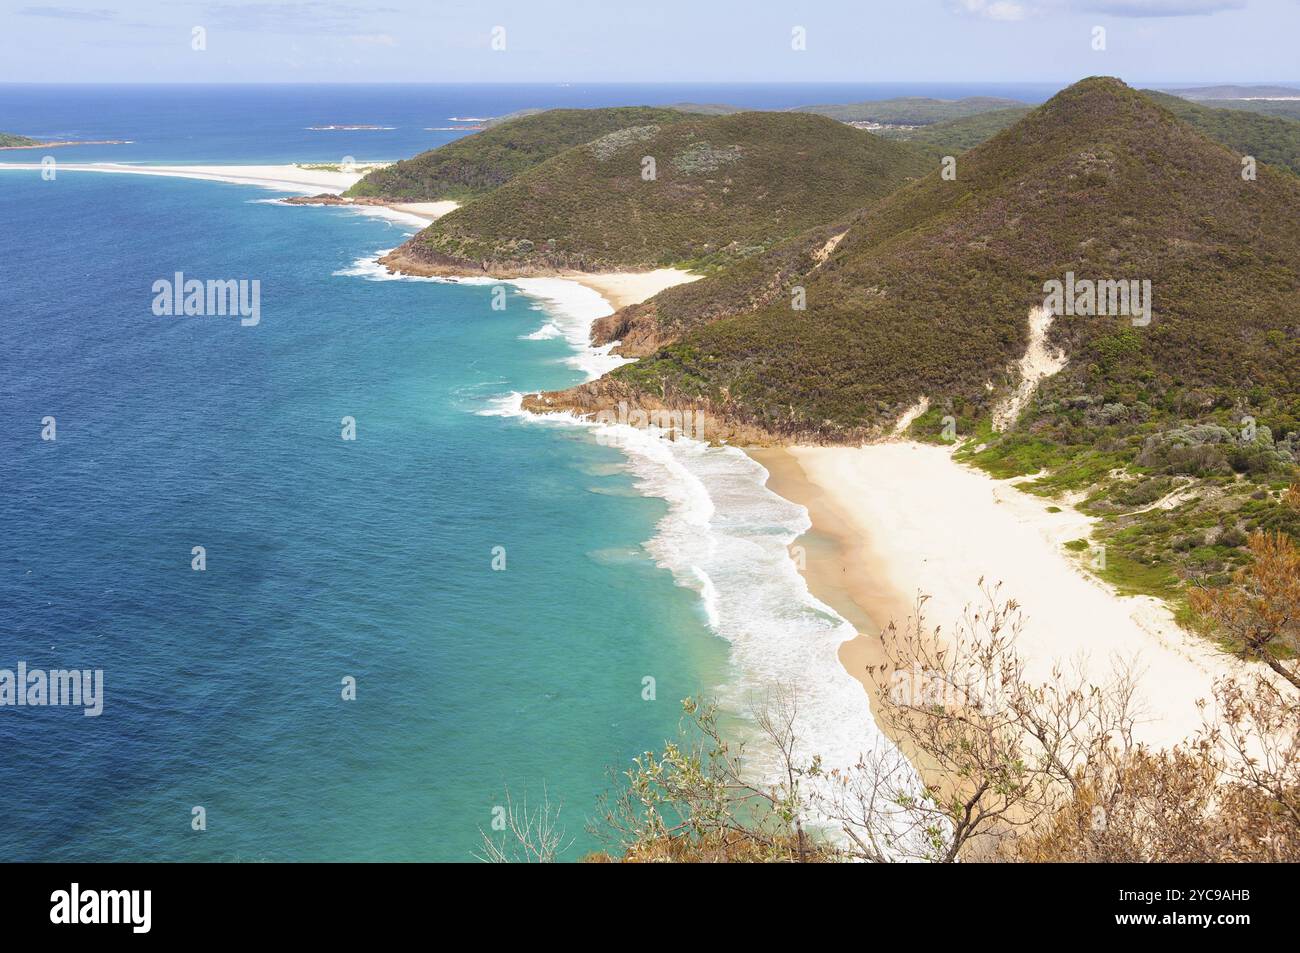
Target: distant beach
287,178
71,142
301,178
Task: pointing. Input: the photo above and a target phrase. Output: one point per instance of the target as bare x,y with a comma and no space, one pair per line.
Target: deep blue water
269,123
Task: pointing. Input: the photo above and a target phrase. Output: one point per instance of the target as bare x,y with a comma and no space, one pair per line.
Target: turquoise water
325,558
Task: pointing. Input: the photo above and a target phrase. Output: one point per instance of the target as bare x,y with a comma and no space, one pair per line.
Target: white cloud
68,13
297,17
1161,8
1019,9
994,9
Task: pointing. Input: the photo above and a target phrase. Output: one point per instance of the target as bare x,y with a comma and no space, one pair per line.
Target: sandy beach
893,519
429,211
621,289
285,178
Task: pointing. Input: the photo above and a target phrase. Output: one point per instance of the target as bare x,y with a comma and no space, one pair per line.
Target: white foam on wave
546,332
727,536
572,309
411,223
370,268
504,405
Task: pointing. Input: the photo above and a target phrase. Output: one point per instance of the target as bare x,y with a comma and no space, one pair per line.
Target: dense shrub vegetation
723,188
1269,137
477,164
957,135
929,292
910,110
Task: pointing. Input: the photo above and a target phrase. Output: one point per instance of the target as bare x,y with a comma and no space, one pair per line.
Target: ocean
520,603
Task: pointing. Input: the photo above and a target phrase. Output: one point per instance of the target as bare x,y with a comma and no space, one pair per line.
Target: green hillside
725,188
1286,109
1178,434
749,284
7,140
910,110
478,163
1285,101
957,135
930,289
1201,93
1272,139
1268,138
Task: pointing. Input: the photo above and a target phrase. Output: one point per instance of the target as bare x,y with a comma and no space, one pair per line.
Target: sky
434,41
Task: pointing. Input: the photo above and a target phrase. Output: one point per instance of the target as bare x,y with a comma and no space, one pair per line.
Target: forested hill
701,192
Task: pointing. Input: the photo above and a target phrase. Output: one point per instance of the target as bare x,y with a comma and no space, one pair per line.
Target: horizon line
637,82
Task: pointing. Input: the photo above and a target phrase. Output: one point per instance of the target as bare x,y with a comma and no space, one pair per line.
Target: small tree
997,751
1259,613
699,800
528,835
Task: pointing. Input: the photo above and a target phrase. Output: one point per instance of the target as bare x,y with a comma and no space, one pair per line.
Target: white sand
285,178
911,414
935,526
429,211
1038,363
623,288
282,178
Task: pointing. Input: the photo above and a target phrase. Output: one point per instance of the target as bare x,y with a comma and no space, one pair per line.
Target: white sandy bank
623,288
429,211
285,178
935,526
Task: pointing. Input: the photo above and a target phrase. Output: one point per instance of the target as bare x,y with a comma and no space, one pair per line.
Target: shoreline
283,177
893,519
58,144
624,288
874,511
726,535
863,599
306,182
620,288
